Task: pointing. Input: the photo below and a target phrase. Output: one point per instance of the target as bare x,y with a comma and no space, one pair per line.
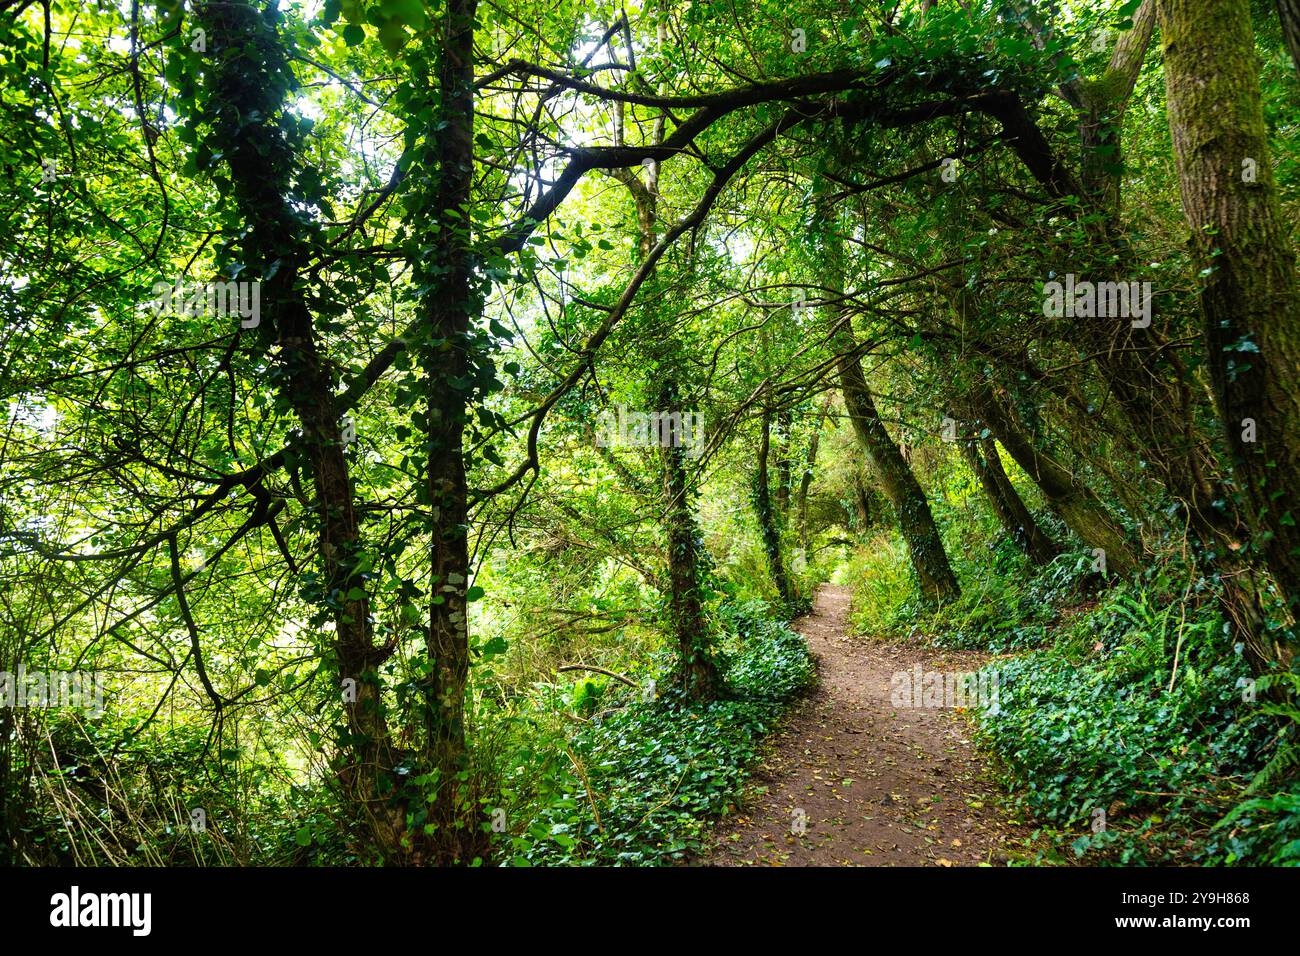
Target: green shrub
645,777
1161,755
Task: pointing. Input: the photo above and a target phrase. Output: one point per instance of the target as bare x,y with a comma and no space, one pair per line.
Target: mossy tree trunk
249,79
911,508
1249,302
806,478
696,669
1079,507
982,457
688,622
784,465
769,527
447,362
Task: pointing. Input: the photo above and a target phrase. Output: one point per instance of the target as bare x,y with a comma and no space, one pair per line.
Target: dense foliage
421,422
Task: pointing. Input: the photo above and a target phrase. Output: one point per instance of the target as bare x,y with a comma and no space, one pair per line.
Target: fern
1282,764
1287,759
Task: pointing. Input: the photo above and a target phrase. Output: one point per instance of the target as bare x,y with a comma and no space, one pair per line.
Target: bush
1114,734
645,778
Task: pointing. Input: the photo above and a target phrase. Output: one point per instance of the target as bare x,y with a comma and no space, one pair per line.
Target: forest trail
877,785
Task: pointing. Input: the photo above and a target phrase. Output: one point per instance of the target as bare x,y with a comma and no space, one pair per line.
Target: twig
597,670
591,799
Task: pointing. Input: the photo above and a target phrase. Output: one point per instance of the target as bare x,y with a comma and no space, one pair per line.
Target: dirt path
871,784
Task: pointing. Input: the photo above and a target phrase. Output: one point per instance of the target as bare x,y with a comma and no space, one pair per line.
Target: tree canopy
425,419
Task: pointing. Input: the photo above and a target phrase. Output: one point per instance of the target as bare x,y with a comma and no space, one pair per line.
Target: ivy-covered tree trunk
696,669
448,369
1249,300
934,575
806,478
248,82
985,463
911,508
768,524
698,673
784,466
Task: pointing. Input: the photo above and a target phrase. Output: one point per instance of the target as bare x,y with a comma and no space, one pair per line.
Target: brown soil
872,784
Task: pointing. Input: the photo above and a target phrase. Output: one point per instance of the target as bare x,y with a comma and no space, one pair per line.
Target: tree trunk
1077,505
697,672
767,521
1249,300
805,480
1288,12
911,509
982,456
445,363
1102,103
783,465
861,501
696,669
250,78
934,576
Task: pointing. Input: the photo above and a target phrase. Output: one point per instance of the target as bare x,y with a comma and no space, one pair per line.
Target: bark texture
250,77
1248,298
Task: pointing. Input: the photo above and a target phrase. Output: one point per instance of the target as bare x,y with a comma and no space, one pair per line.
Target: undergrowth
1129,728
639,782
1134,733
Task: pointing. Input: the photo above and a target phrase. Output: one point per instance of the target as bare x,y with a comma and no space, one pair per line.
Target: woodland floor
880,786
